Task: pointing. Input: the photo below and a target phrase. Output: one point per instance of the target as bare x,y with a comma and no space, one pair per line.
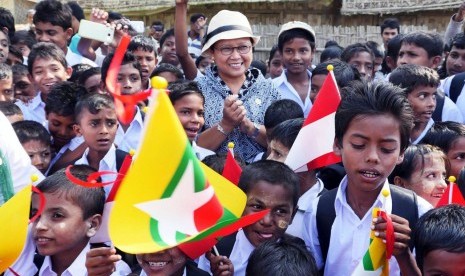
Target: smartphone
96,31
138,26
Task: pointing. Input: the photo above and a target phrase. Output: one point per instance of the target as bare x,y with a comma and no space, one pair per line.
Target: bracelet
221,129
256,131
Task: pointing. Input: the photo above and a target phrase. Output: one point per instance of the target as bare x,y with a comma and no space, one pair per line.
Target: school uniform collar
244,248
109,160
282,79
74,269
306,200
36,102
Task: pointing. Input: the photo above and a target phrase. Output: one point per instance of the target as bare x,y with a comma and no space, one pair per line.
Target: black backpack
456,86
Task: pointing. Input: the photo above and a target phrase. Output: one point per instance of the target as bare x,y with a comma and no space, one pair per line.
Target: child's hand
101,261
220,265
401,233
99,16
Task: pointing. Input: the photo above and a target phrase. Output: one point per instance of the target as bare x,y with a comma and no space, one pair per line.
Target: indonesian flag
231,171
452,195
313,147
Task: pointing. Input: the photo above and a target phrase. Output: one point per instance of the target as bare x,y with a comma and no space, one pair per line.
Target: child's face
429,183
278,152
61,230
455,61
6,90
317,83
167,262
278,199
24,89
130,79
388,34
4,47
61,129
364,64
168,76
234,65
47,72
456,156
147,61
276,65
441,262
413,54
422,99
46,32
190,112
370,149
204,64
297,55
98,130
168,51
39,153
92,84
25,50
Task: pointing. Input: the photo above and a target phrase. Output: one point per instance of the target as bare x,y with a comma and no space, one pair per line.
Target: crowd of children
399,128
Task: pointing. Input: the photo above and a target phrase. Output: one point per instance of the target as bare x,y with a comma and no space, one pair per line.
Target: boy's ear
436,61
398,181
400,159
77,129
336,147
69,33
103,87
93,224
69,72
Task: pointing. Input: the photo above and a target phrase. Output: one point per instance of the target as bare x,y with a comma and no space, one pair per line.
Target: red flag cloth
313,147
453,196
231,171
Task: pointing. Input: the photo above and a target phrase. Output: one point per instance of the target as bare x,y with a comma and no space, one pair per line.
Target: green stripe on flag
154,232
367,262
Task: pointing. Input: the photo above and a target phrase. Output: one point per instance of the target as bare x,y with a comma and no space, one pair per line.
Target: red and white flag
313,147
452,195
231,171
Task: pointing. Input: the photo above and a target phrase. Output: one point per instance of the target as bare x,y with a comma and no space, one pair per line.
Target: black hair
353,49
90,200
76,10
273,172
216,161
286,132
391,23
295,33
198,60
142,42
343,72
24,37
158,23
332,43
331,52
280,111
368,99
63,97
113,16
78,69
458,41
45,50
31,131
411,76
272,53
16,52
19,70
444,134
375,48
441,228
165,36
10,109
260,65
5,71
53,12
87,74
393,47
93,103
183,88
432,43
196,16
414,157
167,67
7,20
128,57
281,258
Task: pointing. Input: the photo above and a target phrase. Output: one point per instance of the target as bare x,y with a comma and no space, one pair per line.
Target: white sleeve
310,234
451,112
204,264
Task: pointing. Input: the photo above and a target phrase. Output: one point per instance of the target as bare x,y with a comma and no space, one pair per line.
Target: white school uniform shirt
460,102
304,205
349,234
423,133
72,145
200,152
129,139
34,110
239,255
78,267
288,91
108,163
450,112
73,59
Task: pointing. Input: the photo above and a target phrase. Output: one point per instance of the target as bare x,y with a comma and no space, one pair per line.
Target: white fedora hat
228,25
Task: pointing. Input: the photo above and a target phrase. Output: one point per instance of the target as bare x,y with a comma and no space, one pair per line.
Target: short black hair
31,131
196,16
411,76
128,57
93,103
444,134
15,52
63,98
142,42
113,16
76,10
441,228
343,72
281,258
295,33
53,12
372,99
7,20
78,69
46,50
180,89
353,49
391,23
331,52
10,109
158,23
432,43
24,37
375,48
87,74
165,36
216,161
393,47
458,41
5,72
273,172
19,70
286,132
167,67
90,200
260,65
280,111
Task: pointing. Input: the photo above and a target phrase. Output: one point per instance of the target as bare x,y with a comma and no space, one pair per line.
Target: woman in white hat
236,95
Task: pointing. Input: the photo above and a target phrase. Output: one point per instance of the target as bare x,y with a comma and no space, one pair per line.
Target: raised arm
180,35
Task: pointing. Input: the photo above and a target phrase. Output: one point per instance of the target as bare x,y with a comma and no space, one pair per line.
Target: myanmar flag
166,198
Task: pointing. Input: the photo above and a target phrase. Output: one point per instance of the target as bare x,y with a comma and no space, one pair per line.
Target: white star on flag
176,213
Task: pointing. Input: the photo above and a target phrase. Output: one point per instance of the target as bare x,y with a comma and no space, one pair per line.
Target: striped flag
313,147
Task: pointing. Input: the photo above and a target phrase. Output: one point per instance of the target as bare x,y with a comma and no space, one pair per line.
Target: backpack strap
325,215
120,155
226,244
405,204
440,98
456,86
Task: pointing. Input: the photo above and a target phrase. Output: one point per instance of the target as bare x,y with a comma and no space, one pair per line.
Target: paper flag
231,170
